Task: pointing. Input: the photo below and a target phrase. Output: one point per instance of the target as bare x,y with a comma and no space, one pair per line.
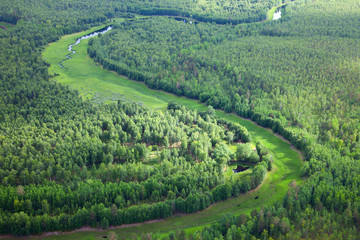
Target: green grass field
102,86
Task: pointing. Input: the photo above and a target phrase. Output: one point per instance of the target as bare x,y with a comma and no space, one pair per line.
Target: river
93,34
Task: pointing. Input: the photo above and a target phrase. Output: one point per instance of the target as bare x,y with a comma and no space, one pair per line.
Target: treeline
259,16
162,11
220,12
275,222
98,215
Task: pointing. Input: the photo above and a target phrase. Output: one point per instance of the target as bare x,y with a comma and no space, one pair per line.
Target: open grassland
97,84
102,86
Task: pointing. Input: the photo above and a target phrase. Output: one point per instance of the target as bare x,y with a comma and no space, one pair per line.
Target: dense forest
66,163
222,12
126,165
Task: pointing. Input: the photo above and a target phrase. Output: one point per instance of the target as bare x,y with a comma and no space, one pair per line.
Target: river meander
93,34
91,80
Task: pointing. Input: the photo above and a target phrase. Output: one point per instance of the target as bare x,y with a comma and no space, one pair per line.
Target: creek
93,34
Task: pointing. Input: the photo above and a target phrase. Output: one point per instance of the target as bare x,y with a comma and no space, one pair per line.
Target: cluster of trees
251,154
61,207
94,204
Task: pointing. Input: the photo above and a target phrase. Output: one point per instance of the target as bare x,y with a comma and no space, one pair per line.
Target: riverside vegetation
105,84
302,84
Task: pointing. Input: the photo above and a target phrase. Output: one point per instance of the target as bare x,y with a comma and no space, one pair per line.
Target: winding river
93,34
93,78
276,16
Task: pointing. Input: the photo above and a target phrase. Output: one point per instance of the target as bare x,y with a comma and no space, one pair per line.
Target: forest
67,163
127,165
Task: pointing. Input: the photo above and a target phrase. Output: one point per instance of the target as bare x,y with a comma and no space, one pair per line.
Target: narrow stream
93,34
